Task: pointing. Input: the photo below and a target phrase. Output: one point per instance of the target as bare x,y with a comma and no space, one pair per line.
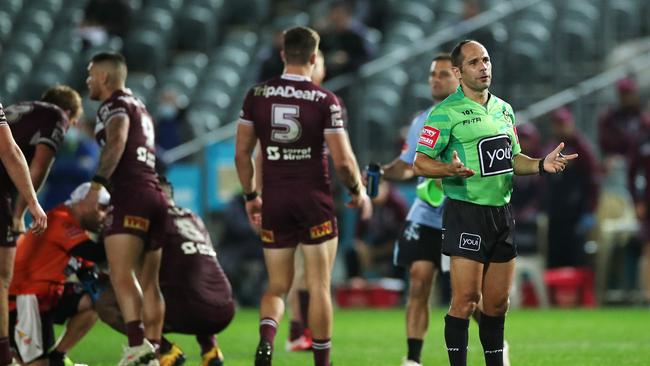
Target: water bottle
373,172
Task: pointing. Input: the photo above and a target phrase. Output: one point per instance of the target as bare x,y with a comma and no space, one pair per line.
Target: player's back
189,263
138,162
34,123
290,115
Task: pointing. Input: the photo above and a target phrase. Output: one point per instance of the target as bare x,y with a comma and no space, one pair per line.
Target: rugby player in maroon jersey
37,128
135,229
198,296
295,120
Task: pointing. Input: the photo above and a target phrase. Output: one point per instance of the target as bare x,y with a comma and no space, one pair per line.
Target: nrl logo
507,116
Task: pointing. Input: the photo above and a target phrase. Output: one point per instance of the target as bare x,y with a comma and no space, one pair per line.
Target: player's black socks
268,328
491,334
415,349
56,358
206,342
303,299
135,332
295,330
165,345
5,351
456,340
321,349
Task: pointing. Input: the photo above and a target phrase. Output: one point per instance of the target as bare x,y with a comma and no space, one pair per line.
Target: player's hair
299,44
115,60
457,57
442,56
65,98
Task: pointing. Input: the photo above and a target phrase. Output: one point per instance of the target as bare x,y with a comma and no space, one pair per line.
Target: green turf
619,337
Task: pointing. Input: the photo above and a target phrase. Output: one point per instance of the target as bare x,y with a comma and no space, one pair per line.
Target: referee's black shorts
417,242
481,233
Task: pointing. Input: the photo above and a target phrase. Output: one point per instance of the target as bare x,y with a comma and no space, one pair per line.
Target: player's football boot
142,355
214,357
407,362
264,354
173,357
302,343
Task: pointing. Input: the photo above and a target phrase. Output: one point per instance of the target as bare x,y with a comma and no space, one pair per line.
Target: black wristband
355,190
250,196
541,167
101,180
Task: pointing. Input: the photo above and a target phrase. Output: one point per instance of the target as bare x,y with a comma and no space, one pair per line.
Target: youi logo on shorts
495,154
470,242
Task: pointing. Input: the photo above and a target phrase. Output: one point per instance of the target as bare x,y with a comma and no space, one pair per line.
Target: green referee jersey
486,141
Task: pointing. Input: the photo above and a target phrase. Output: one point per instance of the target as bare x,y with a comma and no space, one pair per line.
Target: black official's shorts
477,232
417,242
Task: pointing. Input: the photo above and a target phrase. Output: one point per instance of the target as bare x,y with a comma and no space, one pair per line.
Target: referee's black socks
456,340
491,334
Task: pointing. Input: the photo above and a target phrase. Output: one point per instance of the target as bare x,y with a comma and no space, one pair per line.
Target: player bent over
197,293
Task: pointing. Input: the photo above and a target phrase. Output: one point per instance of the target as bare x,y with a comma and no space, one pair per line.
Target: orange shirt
41,260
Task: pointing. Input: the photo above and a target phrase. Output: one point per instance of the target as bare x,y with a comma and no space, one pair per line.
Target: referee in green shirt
473,135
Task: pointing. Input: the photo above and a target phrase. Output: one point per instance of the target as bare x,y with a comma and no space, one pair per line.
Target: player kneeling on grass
198,296
39,295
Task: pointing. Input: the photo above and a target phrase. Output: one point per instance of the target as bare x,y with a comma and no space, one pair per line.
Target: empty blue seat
145,51
197,29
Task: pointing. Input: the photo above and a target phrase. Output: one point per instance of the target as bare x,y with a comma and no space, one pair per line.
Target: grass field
618,336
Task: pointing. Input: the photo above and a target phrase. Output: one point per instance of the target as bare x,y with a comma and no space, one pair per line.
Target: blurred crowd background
575,71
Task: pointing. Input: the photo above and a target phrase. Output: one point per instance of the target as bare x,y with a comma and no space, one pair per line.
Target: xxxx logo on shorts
136,222
267,236
320,230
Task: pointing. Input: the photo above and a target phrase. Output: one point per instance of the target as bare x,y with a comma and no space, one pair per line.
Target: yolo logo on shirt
470,242
495,155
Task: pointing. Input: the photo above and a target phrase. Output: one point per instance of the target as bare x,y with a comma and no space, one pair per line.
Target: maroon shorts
7,236
184,314
139,211
290,218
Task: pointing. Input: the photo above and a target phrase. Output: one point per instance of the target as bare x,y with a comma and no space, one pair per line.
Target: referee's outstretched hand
555,161
458,169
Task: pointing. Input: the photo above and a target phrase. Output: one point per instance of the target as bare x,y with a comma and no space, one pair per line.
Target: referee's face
476,70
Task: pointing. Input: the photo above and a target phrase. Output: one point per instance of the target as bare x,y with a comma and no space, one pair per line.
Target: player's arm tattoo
117,133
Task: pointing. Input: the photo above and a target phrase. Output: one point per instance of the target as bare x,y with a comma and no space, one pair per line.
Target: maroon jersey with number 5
138,162
291,115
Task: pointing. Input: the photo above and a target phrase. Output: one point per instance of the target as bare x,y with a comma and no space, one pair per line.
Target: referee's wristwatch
541,169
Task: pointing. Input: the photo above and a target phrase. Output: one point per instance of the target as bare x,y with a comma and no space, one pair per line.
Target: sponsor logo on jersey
471,121
429,136
320,230
336,115
135,222
288,91
495,155
470,242
507,116
267,236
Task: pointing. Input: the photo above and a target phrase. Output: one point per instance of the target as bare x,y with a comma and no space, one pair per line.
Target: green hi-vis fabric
485,138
